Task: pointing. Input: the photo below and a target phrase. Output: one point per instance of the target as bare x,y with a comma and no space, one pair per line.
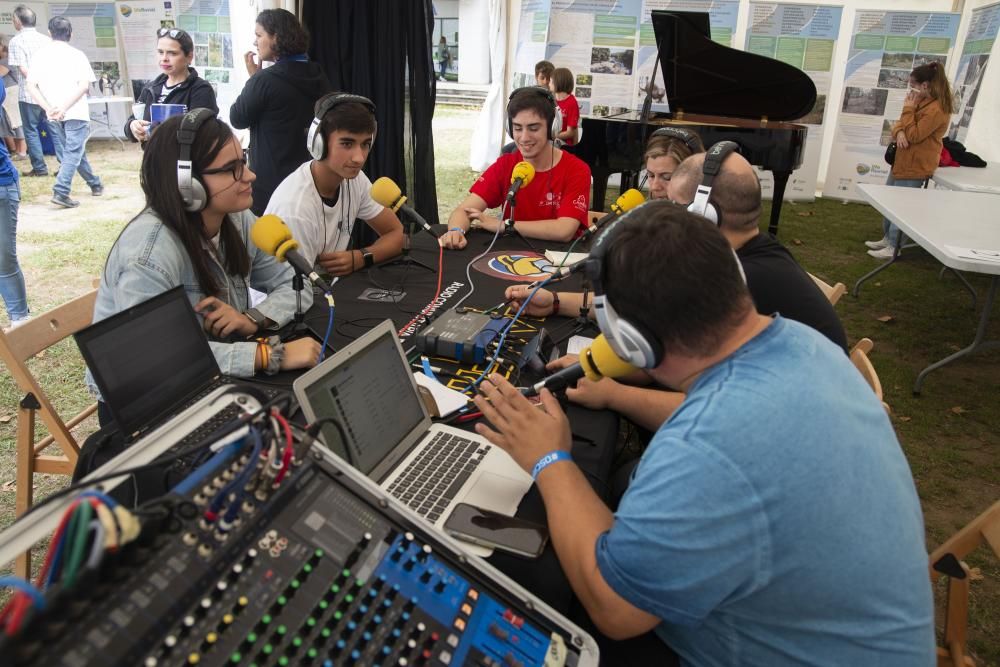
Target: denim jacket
148,259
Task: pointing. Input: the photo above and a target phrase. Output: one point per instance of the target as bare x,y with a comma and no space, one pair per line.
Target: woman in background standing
277,102
179,83
918,133
444,55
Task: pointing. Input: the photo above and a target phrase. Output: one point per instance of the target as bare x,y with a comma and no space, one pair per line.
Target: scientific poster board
533,33
979,39
138,21
803,36
885,47
596,40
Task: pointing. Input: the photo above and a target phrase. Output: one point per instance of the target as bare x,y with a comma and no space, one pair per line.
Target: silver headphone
315,141
714,157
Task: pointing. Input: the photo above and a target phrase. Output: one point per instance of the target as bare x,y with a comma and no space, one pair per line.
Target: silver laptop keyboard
434,477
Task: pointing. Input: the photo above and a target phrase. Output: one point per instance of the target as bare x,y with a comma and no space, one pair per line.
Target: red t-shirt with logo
570,109
560,192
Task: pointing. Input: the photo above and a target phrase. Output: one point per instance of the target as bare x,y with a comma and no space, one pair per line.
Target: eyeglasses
173,33
235,168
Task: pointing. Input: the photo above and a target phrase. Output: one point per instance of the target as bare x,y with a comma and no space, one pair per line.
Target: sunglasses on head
173,33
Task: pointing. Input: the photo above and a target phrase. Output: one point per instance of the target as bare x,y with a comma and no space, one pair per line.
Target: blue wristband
457,229
547,460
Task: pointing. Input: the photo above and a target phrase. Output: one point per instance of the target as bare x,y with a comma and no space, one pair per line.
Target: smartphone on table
490,529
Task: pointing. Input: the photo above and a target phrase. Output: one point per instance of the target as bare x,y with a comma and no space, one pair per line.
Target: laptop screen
368,388
148,359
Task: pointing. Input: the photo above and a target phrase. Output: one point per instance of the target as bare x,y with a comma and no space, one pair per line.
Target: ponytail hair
932,74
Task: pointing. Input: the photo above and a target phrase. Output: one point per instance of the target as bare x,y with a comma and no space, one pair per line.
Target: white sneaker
878,245
16,323
883,253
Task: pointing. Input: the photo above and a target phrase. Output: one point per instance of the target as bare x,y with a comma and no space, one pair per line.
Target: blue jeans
31,116
889,230
11,279
73,136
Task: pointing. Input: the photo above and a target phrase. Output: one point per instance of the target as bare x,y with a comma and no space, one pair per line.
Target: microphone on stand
625,202
523,174
271,235
386,192
596,362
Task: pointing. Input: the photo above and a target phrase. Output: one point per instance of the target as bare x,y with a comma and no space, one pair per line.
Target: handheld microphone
386,192
523,174
626,202
596,362
271,235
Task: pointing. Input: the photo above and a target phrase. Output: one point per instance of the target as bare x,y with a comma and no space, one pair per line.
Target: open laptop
152,361
369,389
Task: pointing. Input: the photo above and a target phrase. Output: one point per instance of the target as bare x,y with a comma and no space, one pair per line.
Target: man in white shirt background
59,78
23,47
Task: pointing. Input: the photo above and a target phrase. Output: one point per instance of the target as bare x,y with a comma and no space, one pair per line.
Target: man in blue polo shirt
773,518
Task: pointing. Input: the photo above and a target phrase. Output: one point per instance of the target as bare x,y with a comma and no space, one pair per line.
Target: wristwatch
368,256
257,318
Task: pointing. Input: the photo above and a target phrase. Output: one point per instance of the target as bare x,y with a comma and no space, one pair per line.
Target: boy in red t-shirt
553,206
561,85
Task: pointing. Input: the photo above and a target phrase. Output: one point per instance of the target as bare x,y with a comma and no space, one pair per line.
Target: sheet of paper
980,254
556,256
448,400
577,344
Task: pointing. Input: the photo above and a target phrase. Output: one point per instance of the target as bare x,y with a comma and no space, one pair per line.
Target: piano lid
702,76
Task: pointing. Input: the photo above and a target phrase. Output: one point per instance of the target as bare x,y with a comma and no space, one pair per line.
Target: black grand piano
719,92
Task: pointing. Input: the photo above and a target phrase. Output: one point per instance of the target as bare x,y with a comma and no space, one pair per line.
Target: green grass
949,434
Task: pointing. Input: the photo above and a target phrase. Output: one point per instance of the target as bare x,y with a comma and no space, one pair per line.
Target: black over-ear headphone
689,138
714,157
553,117
631,341
315,141
193,191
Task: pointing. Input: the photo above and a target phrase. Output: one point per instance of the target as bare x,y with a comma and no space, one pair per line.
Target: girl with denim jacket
209,252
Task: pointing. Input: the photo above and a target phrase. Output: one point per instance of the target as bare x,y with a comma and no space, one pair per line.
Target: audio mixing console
323,569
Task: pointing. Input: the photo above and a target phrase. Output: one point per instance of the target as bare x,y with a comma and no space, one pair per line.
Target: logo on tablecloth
515,266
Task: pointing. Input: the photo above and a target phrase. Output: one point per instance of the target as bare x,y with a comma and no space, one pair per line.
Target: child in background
543,72
561,85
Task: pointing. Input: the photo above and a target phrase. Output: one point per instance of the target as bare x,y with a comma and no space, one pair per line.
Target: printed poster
138,22
885,47
208,23
533,33
596,40
804,36
982,32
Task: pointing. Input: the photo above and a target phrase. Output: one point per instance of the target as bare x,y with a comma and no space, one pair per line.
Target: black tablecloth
594,432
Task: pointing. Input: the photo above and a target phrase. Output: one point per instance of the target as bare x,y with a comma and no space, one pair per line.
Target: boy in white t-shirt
321,200
58,81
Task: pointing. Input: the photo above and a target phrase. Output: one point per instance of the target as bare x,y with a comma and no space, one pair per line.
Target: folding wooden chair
947,560
859,356
832,292
16,347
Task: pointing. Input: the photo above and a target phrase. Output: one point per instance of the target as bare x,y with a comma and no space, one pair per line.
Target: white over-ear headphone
315,141
193,192
631,341
714,157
